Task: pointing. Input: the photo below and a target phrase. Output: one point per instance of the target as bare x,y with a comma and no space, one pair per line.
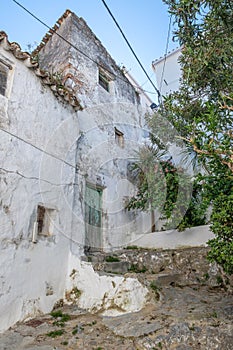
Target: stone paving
188,307
197,317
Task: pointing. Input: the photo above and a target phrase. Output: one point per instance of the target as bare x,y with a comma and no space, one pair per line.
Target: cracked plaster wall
33,276
100,159
110,295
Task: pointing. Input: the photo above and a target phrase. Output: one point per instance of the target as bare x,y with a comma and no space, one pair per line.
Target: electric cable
147,80
166,51
77,49
132,50
38,148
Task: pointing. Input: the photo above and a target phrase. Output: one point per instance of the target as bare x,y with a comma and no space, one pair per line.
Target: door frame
99,189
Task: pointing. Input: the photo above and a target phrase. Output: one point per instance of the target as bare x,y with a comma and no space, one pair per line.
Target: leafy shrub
222,226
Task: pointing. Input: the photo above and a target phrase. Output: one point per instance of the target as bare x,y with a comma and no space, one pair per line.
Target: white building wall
39,154
33,275
168,72
100,160
103,162
173,239
56,152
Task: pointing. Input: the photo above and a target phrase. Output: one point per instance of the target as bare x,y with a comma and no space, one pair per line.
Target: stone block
165,280
120,267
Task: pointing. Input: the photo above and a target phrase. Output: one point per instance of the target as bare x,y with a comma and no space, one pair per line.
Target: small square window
5,67
103,81
45,220
3,79
119,137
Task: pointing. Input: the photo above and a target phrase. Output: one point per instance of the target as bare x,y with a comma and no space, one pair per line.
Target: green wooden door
93,218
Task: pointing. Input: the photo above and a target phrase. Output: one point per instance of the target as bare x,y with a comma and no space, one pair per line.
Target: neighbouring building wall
168,72
37,174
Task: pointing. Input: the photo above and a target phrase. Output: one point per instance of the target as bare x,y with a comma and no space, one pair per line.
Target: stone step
185,266
165,280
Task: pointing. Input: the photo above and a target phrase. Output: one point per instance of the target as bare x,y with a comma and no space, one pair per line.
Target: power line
166,51
129,45
16,172
147,80
38,148
54,32
76,48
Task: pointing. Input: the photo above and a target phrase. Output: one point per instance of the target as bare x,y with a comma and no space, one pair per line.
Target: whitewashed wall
172,239
168,72
100,160
33,275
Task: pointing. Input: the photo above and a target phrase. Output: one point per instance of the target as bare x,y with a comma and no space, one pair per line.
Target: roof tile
65,93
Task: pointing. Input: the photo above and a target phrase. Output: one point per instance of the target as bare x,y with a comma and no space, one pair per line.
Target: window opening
119,137
45,220
103,81
4,70
3,79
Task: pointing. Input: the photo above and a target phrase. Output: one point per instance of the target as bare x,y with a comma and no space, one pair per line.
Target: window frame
45,217
103,82
6,67
105,79
119,137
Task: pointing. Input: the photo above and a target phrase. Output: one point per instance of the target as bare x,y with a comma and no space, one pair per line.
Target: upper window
119,137
3,79
4,72
103,82
105,79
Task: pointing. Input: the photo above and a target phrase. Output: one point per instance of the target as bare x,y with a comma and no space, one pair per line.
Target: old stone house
111,126
70,122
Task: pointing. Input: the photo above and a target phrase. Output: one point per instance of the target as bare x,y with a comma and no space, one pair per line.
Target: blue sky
144,22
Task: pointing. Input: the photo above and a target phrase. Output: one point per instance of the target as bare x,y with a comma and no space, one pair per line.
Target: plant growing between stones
65,342
192,328
206,276
56,314
112,259
137,269
132,247
75,331
159,346
214,314
155,289
56,333
91,324
60,318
